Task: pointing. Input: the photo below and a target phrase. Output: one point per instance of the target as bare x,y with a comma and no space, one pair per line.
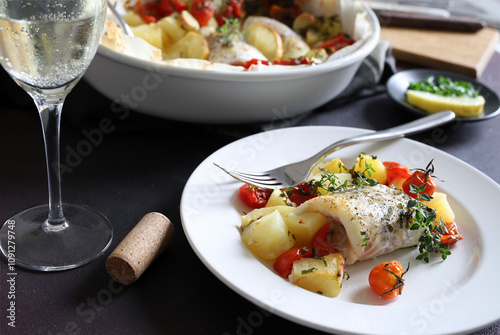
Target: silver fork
295,173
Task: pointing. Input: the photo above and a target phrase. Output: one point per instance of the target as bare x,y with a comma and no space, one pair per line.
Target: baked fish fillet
365,222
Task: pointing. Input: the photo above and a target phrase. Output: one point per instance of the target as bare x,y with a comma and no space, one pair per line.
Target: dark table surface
141,167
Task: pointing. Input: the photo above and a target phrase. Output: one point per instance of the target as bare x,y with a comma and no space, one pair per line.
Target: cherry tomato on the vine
419,178
320,242
284,263
253,196
386,279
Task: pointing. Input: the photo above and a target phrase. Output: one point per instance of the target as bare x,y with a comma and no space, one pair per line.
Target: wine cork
140,248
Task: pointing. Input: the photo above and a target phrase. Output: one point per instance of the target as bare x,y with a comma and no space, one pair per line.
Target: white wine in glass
46,47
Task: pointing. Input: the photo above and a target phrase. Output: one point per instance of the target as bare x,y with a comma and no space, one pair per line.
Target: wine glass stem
50,116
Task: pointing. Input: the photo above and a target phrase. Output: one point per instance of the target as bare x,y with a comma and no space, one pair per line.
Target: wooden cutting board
466,53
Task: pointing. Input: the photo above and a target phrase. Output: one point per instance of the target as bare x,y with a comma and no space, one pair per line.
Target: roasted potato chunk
172,27
323,276
152,34
260,212
268,237
304,227
376,171
191,45
266,39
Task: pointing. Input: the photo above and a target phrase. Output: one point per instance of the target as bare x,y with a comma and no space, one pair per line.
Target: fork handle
413,127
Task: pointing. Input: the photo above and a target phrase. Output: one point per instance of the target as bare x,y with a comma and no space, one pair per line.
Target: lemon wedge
432,103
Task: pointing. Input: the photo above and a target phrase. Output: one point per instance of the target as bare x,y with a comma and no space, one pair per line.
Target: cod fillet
365,222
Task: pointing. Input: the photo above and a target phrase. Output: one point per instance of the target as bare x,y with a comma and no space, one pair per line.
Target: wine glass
46,46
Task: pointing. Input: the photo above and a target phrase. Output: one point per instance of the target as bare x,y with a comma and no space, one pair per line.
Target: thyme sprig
331,183
230,31
424,217
419,215
364,178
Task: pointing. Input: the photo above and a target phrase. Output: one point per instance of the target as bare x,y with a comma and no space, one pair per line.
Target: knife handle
454,23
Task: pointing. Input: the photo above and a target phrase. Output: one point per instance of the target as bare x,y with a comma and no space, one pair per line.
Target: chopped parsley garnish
445,87
365,238
304,272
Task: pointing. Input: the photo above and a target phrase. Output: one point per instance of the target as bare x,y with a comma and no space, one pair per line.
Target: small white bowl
220,97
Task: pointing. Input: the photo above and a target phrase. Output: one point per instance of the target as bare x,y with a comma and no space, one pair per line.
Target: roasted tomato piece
148,12
284,263
321,245
202,10
165,7
336,43
179,5
253,196
254,61
396,174
301,193
453,235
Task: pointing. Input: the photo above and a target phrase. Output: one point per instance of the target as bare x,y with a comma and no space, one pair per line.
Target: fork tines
263,180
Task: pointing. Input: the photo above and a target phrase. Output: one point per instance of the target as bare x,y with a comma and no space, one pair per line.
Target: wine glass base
26,242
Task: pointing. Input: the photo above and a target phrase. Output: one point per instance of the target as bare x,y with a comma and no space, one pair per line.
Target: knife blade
389,18
406,8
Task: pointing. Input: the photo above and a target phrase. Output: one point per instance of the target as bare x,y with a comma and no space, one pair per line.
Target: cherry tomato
396,174
202,10
419,178
320,242
301,193
386,279
453,235
284,263
253,196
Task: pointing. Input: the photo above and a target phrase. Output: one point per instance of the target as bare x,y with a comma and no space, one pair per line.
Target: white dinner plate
458,295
